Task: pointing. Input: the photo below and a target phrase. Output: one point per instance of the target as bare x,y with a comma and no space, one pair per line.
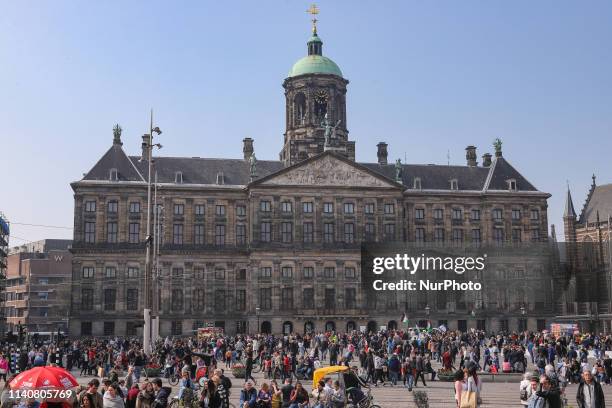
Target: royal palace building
274,246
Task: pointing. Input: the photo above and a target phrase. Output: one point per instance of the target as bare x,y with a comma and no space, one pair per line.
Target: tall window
109,328
265,206
308,231
329,272
110,272
87,299
328,232
112,207
265,298
369,232
177,234
350,298
389,208
177,327
266,232
498,214
390,232
308,272
198,299
177,272
535,214
475,214
134,207
111,232
179,209
219,235
419,235
287,272
90,232
240,300
457,237
287,298
419,213
349,273
220,210
369,208
516,214
516,235
240,234
330,298
177,300
349,208
287,232
438,213
307,207
439,235
535,235
199,234
88,272
349,232
476,236
265,272
498,235
220,300
134,232
90,206
287,207
110,298
328,208
457,214
132,299
241,211
308,298
133,272
200,210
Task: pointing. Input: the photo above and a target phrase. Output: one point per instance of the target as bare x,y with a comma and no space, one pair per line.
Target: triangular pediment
328,170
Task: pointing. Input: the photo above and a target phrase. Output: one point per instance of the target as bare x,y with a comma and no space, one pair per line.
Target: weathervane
313,10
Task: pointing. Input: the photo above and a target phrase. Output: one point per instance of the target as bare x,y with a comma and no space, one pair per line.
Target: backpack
524,395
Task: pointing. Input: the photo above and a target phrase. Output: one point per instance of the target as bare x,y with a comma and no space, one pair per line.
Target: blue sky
426,77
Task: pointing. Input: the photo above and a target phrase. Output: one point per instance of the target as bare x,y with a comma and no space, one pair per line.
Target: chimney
486,160
145,147
470,156
247,147
382,153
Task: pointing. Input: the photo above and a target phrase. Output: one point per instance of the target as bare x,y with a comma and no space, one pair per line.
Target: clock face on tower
321,97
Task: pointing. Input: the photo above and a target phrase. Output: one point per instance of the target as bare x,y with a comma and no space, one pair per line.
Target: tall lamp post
148,240
257,309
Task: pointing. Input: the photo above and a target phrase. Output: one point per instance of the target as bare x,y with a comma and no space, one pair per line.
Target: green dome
315,64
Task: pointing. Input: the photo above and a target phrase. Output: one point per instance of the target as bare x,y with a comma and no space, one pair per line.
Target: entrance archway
330,326
309,327
350,326
392,325
287,328
372,326
266,327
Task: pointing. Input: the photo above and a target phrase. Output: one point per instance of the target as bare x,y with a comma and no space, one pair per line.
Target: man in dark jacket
590,393
162,394
550,394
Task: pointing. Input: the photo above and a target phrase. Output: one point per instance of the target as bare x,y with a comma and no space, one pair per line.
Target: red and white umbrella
47,377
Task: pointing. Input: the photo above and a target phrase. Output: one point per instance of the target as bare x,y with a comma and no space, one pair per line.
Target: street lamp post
148,241
257,309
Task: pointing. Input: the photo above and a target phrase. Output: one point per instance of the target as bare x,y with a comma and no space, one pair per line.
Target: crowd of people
124,377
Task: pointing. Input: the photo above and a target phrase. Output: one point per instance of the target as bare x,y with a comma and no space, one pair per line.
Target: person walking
590,393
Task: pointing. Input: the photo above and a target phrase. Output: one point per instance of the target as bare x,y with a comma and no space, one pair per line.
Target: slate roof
600,200
236,172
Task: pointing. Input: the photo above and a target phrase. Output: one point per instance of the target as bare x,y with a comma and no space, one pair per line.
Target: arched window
309,327
299,109
266,327
372,326
350,326
287,328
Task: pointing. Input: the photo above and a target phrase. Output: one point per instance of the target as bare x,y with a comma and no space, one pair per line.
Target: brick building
275,245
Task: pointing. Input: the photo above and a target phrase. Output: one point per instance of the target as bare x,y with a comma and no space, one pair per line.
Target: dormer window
511,184
114,175
417,183
178,177
454,184
220,178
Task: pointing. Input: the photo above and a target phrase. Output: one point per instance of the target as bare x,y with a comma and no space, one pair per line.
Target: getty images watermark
413,264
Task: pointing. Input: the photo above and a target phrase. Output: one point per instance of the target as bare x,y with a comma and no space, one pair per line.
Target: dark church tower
315,94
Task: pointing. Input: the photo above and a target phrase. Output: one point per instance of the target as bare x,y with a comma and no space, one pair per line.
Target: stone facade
275,246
